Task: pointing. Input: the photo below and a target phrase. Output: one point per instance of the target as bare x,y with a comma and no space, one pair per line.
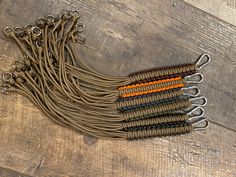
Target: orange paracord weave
154,90
149,83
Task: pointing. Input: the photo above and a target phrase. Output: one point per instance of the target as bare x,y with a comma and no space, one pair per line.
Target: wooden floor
122,37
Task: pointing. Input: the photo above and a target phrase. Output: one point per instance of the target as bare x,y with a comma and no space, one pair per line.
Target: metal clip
8,32
50,20
28,29
199,101
19,32
80,27
41,22
36,30
195,113
196,78
75,13
200,124
66,16
191,91
200,63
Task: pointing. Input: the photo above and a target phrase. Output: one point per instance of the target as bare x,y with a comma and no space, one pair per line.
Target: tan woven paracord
159,132
54,77
148,99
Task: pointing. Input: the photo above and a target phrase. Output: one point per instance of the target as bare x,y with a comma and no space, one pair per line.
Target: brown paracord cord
162,72
149,83
76,95
150,88
157,88
147,99
88,98
155,121
157,109
141,134
73,123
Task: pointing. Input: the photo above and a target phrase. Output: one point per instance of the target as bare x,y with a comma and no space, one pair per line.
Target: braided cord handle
177,130
155,121
157,109
163,72
148,98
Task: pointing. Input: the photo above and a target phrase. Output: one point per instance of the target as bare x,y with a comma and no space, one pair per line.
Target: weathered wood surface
223,9
11,173
125,36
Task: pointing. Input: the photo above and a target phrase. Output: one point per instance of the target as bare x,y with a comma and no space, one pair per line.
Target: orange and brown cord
58,81
153,91
150,83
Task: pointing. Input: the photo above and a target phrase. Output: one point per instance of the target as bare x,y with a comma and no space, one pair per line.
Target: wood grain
11,173
223,9
122,37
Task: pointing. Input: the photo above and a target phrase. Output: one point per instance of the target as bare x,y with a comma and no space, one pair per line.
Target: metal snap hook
191,91
199,101
200,63
196,78
196,112
200,124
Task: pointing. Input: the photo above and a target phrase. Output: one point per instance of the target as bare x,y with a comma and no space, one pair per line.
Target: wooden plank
30,148
123,37
223,9
10,173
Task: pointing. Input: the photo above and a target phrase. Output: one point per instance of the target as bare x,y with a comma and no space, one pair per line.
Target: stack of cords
151,103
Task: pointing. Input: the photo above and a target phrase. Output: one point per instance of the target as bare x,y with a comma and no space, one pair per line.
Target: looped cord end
75,14
8,32
19,32
28,28
6,76
50,20
80,27
66,16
